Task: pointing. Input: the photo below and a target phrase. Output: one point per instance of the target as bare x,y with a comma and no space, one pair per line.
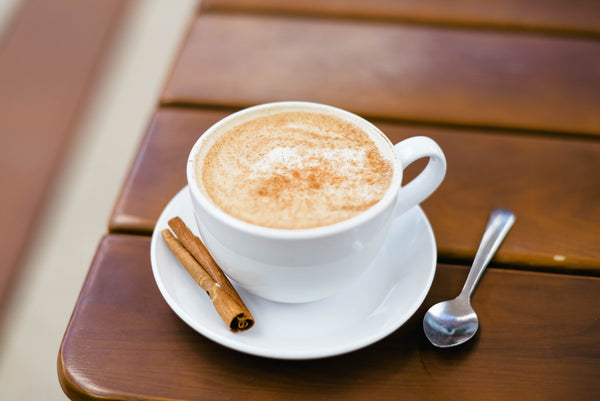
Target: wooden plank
413,73
49,58
552,185
123,342
579,17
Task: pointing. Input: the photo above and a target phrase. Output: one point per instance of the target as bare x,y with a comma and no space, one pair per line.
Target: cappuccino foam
294,170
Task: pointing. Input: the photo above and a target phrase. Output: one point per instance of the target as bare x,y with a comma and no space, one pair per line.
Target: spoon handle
500,222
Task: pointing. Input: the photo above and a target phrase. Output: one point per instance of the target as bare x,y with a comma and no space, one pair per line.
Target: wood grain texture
416,73
574,17
551,184
123,342
49,58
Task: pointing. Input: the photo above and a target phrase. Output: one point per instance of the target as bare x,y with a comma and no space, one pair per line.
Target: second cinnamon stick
234,314
201,254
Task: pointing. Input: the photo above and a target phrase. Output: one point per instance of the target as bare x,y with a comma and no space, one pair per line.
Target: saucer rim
295,353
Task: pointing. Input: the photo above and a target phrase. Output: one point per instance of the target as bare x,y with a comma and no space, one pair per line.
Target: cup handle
428,180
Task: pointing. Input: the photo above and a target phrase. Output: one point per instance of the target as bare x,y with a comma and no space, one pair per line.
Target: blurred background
78,83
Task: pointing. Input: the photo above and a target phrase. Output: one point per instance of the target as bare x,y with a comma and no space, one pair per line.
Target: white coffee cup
301,265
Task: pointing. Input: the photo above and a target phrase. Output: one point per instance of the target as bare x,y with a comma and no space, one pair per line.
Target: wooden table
510,92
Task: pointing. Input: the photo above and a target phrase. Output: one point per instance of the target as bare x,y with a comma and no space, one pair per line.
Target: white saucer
385,296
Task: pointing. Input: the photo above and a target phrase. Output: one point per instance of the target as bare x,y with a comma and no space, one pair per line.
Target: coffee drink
294,169
294,200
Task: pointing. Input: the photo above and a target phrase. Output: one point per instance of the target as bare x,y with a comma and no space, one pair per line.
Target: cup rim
292,234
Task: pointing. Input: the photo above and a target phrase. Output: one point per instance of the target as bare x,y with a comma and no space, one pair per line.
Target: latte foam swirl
295,170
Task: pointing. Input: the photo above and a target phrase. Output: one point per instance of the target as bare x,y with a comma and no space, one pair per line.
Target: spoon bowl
454,322
450,323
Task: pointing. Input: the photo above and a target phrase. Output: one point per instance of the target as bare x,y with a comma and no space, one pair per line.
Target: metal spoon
454,322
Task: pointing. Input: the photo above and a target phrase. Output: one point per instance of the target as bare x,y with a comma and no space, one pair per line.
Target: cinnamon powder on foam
295,170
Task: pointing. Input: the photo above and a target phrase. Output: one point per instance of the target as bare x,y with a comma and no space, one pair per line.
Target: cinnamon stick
201,254
235,315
